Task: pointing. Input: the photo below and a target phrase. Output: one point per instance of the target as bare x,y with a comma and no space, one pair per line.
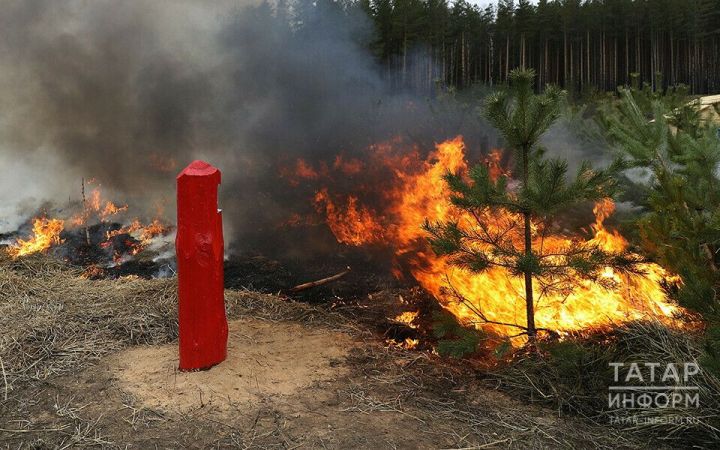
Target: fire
351,225
94,209
410,343
110,209
45,234
418,193
144,233
407,318
610,241
94,205
407,344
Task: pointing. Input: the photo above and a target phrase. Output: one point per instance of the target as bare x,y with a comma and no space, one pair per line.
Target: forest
581,45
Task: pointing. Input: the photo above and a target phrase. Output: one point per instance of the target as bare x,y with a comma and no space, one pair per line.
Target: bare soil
265,361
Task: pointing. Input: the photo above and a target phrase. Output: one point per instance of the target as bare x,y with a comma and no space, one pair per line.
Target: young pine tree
663,136
512,217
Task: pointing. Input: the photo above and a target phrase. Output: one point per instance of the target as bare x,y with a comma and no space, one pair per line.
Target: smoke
128,93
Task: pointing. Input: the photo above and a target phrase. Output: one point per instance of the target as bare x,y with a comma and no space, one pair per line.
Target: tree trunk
615,63
565,58
529,302
587,51
507,56
546,77
463,64
627,58
404,59
672,59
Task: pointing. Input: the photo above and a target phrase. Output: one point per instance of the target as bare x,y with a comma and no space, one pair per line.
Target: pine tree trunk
565,58
672,59
404,60
627,58
491,60
587,52
637,52
615,63
652,61
507,55
463,67
572,66
546,78
529,302
600,80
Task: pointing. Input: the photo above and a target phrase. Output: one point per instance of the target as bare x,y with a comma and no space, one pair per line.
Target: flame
46,233
407,344
348,167
407,318
111,209
608,241
410,343
351,225
96,206
144,234
418,192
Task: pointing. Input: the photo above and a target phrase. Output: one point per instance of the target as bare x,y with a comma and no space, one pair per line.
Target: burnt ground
75,353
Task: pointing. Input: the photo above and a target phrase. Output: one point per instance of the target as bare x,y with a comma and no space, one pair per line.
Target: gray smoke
128,93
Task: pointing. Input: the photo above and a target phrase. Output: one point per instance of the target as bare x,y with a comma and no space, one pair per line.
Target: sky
484,3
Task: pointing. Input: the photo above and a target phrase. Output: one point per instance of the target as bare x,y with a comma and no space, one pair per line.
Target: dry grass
574,376
55,324
427,390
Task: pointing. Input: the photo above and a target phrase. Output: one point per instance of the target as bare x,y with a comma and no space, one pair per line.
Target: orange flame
408,318
95,206
351,225
420,194
143,233
46,233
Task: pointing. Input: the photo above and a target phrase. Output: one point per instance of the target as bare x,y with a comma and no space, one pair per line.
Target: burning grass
414,191
45,234
91,232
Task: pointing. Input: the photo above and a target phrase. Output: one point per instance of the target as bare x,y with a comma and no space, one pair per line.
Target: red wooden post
199,247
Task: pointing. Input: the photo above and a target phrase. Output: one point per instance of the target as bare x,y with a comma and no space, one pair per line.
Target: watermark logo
653,385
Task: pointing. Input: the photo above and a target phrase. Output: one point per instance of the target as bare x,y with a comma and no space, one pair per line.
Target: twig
2,366
85,210
489,444
311,284
34,430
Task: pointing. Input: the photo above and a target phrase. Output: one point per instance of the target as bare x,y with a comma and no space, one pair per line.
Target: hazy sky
484,3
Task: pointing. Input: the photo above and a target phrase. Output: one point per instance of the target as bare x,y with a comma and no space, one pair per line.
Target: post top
199,168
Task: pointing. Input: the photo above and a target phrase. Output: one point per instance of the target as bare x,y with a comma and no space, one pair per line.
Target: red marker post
199,247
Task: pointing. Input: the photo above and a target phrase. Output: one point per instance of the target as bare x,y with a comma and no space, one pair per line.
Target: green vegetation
544,190
677,186
454,340
676,157
574,376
